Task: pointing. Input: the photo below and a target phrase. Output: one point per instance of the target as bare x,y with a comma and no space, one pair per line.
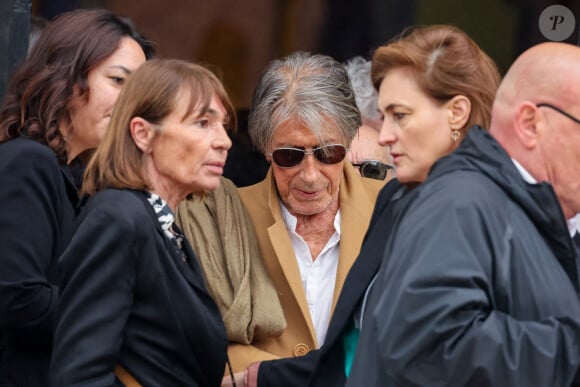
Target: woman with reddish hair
434,83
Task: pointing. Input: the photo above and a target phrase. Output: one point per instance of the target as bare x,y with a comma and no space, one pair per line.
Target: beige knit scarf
223,237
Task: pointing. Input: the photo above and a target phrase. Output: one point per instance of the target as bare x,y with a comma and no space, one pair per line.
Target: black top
479,286
129,298
37,209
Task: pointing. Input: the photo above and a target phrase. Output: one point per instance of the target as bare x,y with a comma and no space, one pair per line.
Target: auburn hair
445,62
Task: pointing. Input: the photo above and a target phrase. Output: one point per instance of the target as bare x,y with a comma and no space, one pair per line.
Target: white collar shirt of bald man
574,227
318,275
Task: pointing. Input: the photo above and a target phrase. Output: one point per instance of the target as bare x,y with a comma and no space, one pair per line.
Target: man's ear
526,124
459,111
143,133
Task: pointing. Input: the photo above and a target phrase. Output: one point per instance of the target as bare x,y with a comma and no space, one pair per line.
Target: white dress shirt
318,275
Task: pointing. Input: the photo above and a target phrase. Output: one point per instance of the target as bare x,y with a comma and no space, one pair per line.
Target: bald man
479,285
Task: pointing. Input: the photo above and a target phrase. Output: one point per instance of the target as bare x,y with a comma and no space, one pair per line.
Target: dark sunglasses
374,169
291,157
562,112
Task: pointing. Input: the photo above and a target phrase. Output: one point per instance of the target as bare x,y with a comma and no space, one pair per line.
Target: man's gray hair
359,73
311,88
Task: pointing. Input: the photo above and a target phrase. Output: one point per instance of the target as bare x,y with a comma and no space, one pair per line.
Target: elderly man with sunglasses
313,208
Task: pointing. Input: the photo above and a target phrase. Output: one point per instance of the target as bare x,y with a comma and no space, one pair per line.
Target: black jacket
37,209
325,366
128,298
478,286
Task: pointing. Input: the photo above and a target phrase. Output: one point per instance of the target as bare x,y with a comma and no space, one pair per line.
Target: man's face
560,148
310,187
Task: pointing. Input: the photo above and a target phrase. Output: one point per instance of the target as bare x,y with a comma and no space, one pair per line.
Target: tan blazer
357,197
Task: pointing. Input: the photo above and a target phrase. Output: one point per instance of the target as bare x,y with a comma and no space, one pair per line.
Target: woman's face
415,126
189,152
91,117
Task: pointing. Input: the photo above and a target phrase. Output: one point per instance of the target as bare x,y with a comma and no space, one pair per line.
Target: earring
455,135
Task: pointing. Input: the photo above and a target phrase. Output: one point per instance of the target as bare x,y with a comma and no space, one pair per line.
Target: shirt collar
574,225
528,178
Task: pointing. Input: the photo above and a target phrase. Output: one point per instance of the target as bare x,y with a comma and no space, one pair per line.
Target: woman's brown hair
151,93
37,101
446,62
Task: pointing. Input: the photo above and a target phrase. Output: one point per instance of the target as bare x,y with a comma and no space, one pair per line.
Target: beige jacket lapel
284,252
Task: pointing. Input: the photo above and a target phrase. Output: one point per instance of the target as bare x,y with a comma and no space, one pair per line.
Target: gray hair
359,73
311,88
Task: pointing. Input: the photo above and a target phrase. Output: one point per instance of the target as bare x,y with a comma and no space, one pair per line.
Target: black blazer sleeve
31,200
98,274
288,372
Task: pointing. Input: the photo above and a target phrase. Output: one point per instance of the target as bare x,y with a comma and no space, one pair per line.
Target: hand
239,378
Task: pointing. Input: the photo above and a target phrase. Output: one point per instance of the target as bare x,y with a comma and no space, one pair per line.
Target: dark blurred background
237,38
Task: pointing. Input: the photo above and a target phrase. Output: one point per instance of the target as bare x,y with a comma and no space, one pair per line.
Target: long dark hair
38,97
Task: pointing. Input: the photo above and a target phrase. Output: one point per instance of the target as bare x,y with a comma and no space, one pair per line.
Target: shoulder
461,187
256,192
33,169
24,154
457,211
119,215
373,186
261,202
359,193
461,196
388,190
120,206
354,185
119,200
260,186
24,144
